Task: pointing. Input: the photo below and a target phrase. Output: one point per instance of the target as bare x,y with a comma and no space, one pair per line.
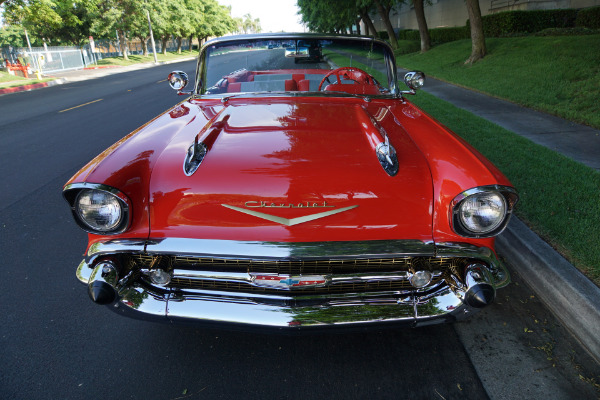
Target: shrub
437,35
445,35
408,34
383,35
509,23
589,18
407,46
577,31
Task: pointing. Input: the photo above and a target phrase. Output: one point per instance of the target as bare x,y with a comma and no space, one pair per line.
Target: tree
12,35
422,23
364,15
323,16
250,25
383,8
478,49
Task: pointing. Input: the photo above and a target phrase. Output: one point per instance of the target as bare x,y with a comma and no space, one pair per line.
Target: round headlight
99,210
482,212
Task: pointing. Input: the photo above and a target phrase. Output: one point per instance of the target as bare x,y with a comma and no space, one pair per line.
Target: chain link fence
63,58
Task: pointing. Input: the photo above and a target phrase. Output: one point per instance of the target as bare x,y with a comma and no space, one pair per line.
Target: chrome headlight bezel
72,192
507,193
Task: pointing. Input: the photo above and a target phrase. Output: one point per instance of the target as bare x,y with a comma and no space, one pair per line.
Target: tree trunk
122,44
423,31
164,41
179,42
369,26
384,12
358,26
478,50
190,44
144,41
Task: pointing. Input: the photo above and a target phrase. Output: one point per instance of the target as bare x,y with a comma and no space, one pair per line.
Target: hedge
588,18
437,35
510,22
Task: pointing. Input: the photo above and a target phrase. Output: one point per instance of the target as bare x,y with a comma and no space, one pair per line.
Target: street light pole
36,63
151,37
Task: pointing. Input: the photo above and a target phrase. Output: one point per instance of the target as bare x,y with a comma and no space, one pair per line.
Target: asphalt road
56,344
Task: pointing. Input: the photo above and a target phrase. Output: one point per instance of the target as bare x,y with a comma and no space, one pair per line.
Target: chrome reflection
445,301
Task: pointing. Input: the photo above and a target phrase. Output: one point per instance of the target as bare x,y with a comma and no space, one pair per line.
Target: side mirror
415,81
178,80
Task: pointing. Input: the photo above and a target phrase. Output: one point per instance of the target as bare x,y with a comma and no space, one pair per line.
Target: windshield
296,65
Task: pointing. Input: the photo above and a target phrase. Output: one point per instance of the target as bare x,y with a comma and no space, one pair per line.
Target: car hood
292,170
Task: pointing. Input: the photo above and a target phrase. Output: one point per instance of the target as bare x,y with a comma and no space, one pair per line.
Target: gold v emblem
285,221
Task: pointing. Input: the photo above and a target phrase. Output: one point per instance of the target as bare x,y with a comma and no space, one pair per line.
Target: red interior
298,81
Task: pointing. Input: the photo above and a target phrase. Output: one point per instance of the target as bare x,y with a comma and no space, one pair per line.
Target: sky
275,15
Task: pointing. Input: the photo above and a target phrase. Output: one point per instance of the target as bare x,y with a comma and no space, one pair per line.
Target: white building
449,13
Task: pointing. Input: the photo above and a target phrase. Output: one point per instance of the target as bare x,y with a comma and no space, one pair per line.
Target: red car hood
293,171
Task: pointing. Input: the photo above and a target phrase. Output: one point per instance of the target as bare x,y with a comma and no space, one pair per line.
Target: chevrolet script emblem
286,221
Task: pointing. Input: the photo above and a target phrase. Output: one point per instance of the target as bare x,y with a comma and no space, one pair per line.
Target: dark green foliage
407,47
409,34
589,18
383,35
514,22
437,35
577,31
445,35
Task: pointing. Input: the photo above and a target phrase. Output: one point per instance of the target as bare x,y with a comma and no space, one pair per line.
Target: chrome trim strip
289,250
292,221
115,246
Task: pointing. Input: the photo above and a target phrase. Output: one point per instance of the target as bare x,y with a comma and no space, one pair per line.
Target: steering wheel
350,73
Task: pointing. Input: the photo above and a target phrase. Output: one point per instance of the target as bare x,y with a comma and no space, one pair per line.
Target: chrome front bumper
285,311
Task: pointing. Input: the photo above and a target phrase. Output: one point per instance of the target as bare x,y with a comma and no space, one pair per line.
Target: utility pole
36,62
151,37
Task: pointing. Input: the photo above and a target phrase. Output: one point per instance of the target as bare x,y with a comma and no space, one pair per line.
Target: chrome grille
337,288
297,267
447,266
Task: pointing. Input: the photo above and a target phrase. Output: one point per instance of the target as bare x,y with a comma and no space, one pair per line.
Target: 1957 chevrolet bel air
292,195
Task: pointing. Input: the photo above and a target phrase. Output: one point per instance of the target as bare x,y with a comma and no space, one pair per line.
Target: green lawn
556,74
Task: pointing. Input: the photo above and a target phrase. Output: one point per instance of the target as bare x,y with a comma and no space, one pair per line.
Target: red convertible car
292,196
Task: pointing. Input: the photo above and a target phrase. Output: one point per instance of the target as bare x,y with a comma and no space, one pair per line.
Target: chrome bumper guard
140,300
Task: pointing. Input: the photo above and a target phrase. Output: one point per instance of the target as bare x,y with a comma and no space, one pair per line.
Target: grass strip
555,74
8,81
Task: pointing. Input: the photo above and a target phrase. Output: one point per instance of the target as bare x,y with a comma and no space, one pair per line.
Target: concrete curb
570,295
